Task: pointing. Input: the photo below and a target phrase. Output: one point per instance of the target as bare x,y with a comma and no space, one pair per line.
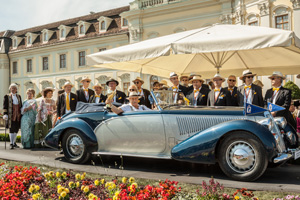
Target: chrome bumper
290,153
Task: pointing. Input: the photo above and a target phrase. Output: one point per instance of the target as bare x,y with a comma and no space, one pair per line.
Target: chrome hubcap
75,145
240,157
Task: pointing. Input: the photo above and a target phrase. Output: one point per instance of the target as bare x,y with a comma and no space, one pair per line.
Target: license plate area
297,154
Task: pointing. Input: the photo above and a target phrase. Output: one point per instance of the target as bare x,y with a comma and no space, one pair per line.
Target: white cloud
20,14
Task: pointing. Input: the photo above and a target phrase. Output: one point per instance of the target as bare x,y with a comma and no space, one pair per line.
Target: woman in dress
28,110
44,117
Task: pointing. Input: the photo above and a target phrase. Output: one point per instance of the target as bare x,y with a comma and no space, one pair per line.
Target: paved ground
285,178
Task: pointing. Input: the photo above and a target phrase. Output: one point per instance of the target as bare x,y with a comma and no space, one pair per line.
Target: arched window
282,17
29,40
103,25
45,37
81,29
62,33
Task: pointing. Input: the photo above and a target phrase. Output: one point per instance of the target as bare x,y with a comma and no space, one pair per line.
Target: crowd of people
35,118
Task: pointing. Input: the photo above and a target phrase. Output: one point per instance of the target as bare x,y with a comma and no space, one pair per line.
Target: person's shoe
11,146
16,146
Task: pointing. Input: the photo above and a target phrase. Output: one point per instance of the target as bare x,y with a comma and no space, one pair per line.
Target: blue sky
21,14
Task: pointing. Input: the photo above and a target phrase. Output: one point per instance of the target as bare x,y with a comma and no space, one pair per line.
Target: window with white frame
45,37
29,65
104,23
29,40
252,19
255,23
15,43
15,67
125,22
81,29
45,63
282,17
81,58
103,27
62,61
282,22
62,33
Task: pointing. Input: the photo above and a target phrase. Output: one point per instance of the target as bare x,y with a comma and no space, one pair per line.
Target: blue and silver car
243,146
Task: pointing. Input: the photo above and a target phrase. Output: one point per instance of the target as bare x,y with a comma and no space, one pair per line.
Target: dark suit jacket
283,99
120,97
181,88
257,98
61,103
6,108
234,96
202,96
145,99
81,95
191,87
224,98
93,99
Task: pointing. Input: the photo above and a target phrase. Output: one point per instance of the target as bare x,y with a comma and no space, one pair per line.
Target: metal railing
151,3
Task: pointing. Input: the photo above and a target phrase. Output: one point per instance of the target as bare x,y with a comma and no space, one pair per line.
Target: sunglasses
88,81
132,89
231,80
249,77
136,82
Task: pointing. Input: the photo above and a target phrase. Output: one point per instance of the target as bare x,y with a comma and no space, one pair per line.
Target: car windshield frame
165,98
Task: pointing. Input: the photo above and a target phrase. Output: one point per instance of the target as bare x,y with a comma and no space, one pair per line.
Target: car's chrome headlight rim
280,121
266,122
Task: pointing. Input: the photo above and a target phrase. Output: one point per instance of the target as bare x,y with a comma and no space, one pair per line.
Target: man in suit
144,93
12,105
218,96
112,87
176,87
184,81
67,101
191,87
231,81
85,93
280,96
198,96
98,97
249,92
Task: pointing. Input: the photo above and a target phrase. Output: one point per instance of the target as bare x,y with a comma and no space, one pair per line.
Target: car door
132,133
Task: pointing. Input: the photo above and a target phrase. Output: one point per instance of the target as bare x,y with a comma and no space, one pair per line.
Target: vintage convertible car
242,145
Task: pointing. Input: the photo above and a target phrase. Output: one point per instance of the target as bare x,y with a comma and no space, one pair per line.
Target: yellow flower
57,174
124,180
35,196
51,173
60,190
71,184
97,182
115,198
58,186
64,174
63,194
131,180
31,190
106,184
37,188
77,184
91,196
77,176
82,187
102,181
67,190
86,189
82,177
236,197
135,184
117,193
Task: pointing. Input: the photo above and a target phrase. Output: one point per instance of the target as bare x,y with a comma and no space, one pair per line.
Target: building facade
50,55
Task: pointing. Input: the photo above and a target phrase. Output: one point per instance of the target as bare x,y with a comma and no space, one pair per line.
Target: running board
133,155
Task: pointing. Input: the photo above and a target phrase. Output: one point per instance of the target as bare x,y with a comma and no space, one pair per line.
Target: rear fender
202,146
55,136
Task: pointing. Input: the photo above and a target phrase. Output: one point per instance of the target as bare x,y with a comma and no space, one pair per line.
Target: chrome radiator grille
188,125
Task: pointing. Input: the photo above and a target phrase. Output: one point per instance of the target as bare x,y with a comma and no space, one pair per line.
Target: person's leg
11,139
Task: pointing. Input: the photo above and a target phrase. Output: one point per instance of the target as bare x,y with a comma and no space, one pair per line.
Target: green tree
294,88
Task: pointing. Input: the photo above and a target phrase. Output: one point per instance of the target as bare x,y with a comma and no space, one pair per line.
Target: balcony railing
151,3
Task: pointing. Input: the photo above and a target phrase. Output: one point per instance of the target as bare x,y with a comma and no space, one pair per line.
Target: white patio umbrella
228,48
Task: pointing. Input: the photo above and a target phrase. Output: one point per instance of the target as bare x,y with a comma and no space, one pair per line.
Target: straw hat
219,77
196,78
183,76
85,78
276,74
138,79
97,85
163,82
67,83
112,80
173,74
133,94
247,73
47,89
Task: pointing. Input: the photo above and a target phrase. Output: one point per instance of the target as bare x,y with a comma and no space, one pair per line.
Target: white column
296,7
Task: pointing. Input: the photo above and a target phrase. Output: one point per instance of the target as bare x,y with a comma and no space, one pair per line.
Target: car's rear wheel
242,156
74,147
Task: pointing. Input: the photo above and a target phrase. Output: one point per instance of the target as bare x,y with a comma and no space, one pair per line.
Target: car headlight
266,122
280,121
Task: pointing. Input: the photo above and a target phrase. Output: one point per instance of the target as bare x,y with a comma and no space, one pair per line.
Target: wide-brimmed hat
173,74
85,78
276,74
138,79
67,83
47,89
196,78
163,82
112,80
247,73
133,94
97,85
183,76
218,76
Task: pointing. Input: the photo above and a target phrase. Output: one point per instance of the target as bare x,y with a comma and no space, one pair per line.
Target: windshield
165,98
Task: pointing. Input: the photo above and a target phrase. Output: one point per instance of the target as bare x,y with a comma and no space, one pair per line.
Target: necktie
217,90
174,87
275,89
248,87
229,89
97,96
68,103
197,90
86,90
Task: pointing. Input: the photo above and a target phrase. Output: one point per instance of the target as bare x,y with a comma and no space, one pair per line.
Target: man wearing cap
119,95
231,82
12,105
218,96
280,96
198,95
133,105
66,101
98,97
85,93
176,88
144,93
249,92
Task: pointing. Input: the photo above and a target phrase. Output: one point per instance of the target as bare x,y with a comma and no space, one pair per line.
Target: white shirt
86,93
97,100
196,93
248,98
141,93
217,93
275,94
15,99
176,94
67,111
129,107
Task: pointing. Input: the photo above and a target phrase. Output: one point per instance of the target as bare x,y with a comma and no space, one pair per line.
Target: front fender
202,146
54,137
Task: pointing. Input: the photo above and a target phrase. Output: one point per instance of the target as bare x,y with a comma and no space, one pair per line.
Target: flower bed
29,183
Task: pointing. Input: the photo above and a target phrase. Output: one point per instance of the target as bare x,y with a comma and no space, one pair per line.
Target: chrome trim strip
132,155
282,157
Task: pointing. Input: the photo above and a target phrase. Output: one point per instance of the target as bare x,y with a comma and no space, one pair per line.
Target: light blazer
224,98
201,98
61,103
257,98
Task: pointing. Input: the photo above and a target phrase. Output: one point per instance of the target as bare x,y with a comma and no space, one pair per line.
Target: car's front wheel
74,147
242,156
